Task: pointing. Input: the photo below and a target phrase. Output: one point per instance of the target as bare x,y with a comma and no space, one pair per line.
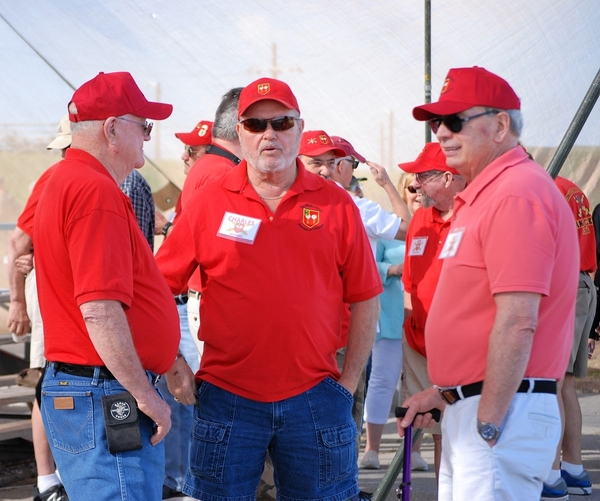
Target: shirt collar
89,160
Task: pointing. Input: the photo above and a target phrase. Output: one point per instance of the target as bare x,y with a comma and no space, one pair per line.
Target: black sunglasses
411,189
454,122
260,124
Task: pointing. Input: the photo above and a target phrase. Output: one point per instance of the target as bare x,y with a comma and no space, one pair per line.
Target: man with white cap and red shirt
280,250
501,320
110,325
436,184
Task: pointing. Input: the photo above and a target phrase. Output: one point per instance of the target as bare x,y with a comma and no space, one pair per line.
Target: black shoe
55,493
364,496
169,493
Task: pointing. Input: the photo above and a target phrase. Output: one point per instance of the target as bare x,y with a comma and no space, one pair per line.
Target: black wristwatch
488,431
165,228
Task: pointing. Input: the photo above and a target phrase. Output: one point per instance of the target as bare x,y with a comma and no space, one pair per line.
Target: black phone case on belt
121,422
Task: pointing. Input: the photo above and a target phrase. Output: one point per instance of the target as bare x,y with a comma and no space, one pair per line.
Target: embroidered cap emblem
264,88
324,139
120,410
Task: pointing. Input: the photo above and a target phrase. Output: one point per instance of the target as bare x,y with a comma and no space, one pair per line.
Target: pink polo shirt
517,236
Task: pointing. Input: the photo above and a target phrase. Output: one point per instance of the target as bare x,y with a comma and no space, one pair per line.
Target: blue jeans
78,442
310,438
178,440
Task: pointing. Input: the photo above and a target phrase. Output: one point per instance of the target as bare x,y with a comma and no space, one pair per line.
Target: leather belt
83,370
194,294
181,299
452,395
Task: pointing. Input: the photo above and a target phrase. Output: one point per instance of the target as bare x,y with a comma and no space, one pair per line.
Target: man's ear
502,126
110,129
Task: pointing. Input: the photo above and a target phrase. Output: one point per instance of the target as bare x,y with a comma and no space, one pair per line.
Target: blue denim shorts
310,438
78,441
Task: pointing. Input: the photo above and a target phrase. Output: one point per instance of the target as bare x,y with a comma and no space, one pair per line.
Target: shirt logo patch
264,88
239,228
452,243
417,246
310,217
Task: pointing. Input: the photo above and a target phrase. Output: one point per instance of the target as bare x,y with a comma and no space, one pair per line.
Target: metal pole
427,63
564,148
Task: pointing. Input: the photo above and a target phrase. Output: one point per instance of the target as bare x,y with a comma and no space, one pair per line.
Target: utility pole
275,70
427,63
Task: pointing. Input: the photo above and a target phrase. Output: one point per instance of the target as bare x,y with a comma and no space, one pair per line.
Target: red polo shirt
271,307
517,235
426,234
207,168
89,247
25,221
580,207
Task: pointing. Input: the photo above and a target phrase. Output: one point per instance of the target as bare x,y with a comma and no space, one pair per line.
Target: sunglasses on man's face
260,124
454,123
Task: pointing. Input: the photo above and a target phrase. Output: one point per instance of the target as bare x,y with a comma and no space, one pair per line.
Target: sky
355,66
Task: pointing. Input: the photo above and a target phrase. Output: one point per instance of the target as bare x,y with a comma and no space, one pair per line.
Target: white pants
386,365
515,468
193,311
36,354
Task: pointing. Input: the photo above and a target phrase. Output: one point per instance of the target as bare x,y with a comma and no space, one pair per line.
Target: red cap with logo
431,158
316,142
113,95
267,89
340,142
468,87
202,134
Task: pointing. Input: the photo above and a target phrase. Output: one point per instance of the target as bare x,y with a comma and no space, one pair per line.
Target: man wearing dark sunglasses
195,143
436,184
501,321
280,250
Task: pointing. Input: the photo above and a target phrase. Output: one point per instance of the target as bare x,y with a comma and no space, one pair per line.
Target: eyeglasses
411,189
454,122
191,151
146,126
425,177
353,161
260,124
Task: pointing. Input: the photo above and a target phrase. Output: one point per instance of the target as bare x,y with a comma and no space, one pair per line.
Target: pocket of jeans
338,460
69,420
342,389
208,450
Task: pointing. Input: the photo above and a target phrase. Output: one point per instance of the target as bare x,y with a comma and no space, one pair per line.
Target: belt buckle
449,396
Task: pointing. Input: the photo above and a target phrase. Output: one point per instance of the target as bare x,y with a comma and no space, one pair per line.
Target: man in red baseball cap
195,143
318,153
279,250
436,185
500,326
110,323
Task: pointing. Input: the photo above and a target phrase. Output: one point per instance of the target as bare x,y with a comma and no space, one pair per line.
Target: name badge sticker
239,228
452,243
417,246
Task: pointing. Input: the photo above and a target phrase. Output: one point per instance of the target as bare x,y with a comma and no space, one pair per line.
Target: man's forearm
19,245
509,349
361,333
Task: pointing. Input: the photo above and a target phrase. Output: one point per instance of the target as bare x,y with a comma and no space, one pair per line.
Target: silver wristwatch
488,431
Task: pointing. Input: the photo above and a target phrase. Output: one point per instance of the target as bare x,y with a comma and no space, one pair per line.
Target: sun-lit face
270,151
132,134
321,165
413,199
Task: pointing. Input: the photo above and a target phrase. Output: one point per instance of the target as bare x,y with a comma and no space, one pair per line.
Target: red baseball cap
468,87
113,95
431,158
202,134
340,142
316,142
267,88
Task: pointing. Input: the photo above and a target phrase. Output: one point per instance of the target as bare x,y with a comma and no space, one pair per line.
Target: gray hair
87,125
226,116
516,121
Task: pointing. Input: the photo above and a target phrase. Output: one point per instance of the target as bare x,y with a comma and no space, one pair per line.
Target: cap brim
270,98
155,111
193,139
60,142
319,151
441,108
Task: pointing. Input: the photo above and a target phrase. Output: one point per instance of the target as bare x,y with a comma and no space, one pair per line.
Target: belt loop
96,376
54,371
460,393
531,386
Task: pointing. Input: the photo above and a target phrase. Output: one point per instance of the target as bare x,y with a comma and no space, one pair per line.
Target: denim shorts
310,438
78,441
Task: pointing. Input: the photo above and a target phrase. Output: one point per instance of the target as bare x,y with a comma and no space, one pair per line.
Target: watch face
488,431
